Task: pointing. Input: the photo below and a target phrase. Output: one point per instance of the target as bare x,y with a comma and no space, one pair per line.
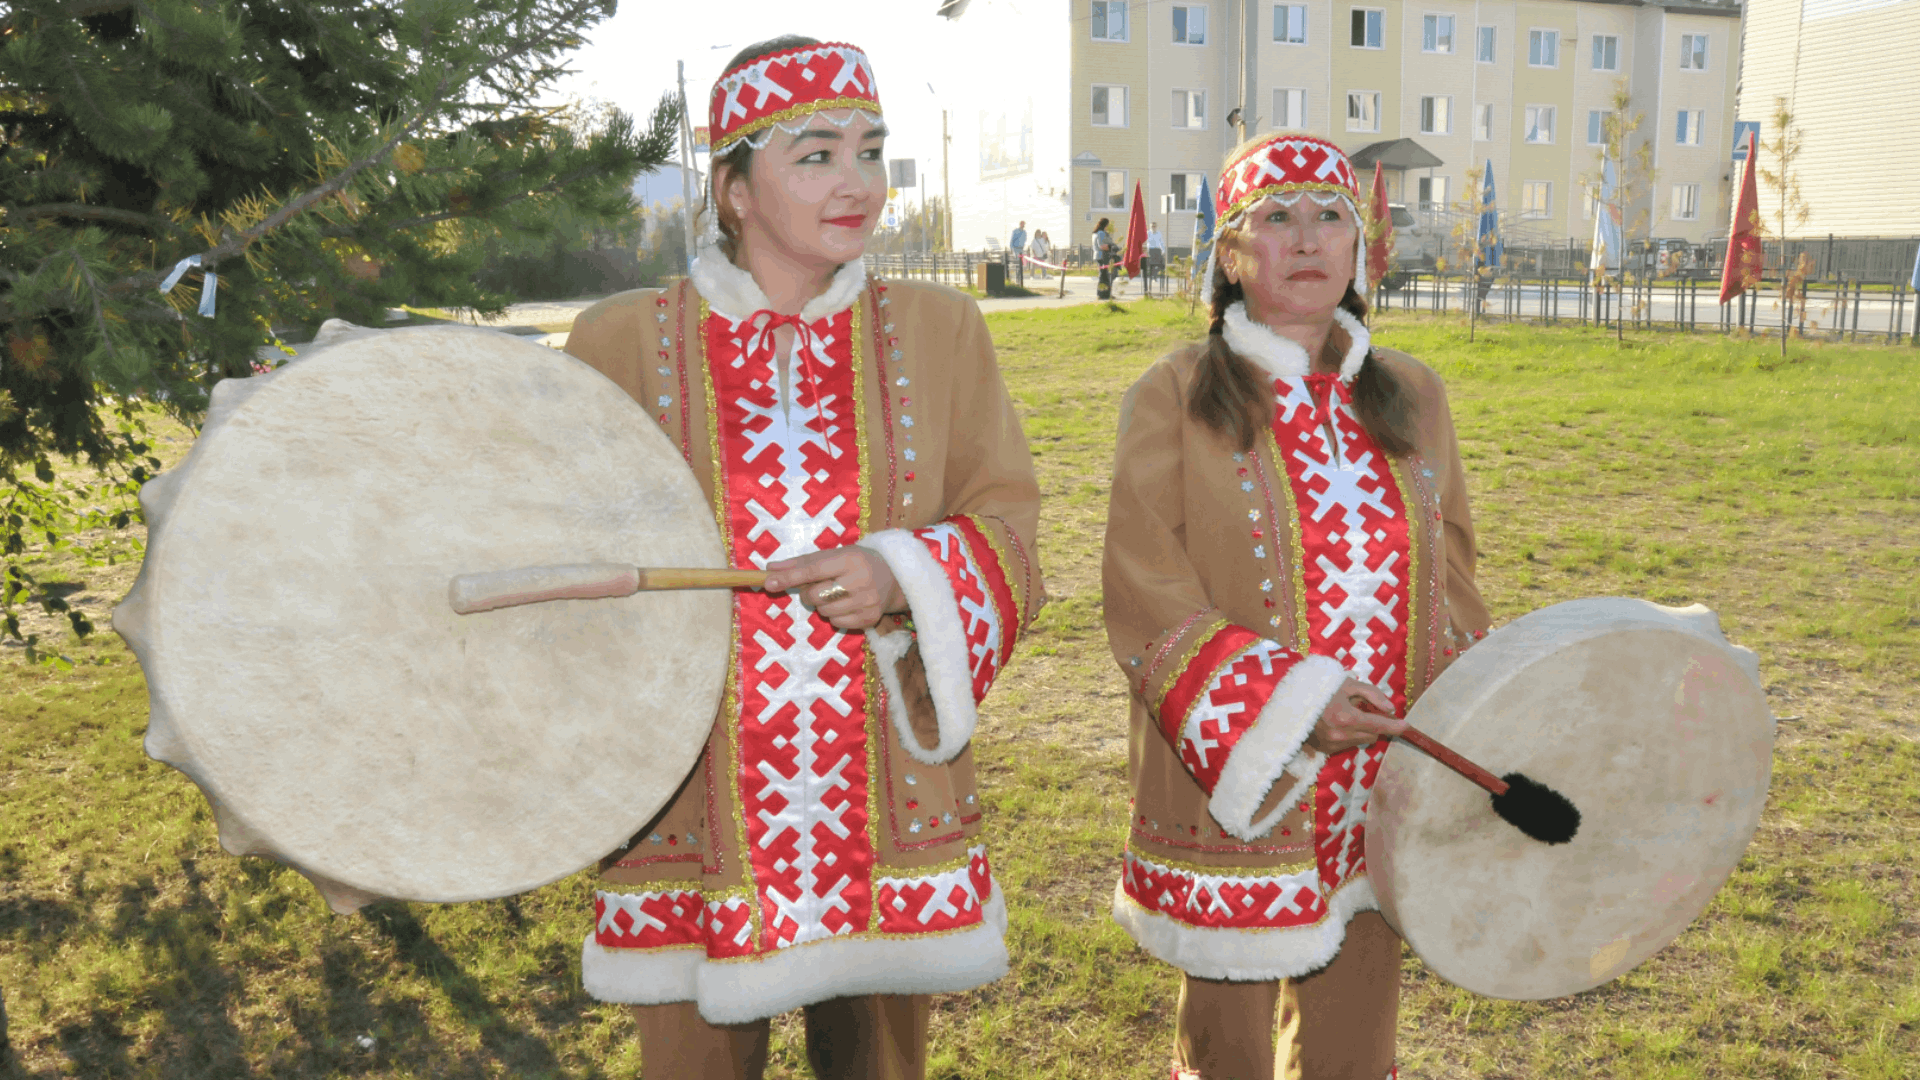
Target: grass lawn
1678,469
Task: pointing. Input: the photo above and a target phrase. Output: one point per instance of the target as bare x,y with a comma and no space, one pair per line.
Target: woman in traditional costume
1289,562
857,442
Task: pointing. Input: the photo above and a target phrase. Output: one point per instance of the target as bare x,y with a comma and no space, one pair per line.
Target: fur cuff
1273,745
943,647
732,291
741,991
639,976
1255,955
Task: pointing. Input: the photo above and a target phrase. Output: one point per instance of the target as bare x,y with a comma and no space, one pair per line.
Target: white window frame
1280,119
1596,127
1363,94
1599,50
1538,35
1530,123
1107,9
1188,10
1689,44
1430,32
1486,44
1431,182
1185,189
1436,114
1589,200
1095,195
1374,18
1688,127
1533,213
1109,88
1185,97
1483,123
1287,13
1689,195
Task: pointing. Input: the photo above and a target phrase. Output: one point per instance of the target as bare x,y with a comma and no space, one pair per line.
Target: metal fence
947,267
1844,311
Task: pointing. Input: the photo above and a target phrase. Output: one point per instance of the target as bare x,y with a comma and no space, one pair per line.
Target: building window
1436,34
1190,109
1539,123
1483,123
1290,24
1596,127
1109,106
1109,20
1543,48
1363,110
1369,28
1189,24
1186,190
1436,116
1589,201
1606,52
1483,51
1433,192
1686,202
1686,126
1536,198
1109,189
1290,107
1693,52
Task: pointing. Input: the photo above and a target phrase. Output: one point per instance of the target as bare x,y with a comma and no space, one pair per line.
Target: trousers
1335,1024
877,1037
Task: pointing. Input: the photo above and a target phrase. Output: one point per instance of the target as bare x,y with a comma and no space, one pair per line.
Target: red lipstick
851,221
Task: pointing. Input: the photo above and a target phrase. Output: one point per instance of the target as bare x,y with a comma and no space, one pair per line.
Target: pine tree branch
556,184
84,212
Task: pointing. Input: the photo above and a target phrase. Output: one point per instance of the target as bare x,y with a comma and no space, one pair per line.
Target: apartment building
1151,88
1845,69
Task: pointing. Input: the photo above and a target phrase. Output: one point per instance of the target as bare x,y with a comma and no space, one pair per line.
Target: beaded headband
1282,164
788,86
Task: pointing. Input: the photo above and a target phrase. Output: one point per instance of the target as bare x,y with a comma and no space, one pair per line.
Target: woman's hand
850,587
1358,715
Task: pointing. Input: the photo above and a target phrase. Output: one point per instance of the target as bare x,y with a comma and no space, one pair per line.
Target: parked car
1416,243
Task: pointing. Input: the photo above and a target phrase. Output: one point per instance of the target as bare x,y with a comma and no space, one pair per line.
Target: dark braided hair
1232,397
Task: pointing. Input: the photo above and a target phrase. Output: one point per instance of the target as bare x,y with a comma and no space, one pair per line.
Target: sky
629,59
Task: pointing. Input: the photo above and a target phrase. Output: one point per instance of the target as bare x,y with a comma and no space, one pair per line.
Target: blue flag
1205,235
1489,245
1607,248
1916,270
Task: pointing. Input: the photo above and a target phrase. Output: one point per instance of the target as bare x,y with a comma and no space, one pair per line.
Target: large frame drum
308,673
1646,719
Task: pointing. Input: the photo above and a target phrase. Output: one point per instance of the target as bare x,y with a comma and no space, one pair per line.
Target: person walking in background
1018,242
1104,256
1156,260
1041,249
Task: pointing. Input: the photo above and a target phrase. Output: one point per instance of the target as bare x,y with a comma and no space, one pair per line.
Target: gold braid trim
1296,549
726,142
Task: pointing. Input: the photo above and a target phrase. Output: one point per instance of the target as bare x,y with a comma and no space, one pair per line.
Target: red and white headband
786,88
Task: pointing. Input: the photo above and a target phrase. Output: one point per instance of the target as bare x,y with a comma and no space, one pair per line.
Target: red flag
1744,256
1379,230
1136,233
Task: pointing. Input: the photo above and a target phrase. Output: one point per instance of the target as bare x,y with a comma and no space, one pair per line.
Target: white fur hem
1282,357
1274,745
639,976
739,991
732,291
1244,955
943,646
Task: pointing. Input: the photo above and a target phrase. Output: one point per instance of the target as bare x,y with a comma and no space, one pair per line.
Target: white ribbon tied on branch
207,288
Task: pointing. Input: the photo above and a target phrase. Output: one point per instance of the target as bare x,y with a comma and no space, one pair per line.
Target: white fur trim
1275,744
739,991
1244,955
1282,357
732,291
943,646
639,976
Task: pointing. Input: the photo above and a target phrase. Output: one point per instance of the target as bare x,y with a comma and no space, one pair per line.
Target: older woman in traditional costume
1289,562
858,443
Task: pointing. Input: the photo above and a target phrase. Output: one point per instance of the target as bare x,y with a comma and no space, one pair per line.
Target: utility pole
686,166
946,190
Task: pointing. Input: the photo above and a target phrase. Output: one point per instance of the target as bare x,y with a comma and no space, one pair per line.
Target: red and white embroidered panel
981,589
648,920
790,462
1340,797
1218,698
948,900
1224,901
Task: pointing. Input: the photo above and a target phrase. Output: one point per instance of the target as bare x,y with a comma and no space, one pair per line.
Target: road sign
1741,128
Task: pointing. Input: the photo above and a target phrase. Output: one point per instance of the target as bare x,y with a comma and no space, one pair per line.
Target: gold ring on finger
828,595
